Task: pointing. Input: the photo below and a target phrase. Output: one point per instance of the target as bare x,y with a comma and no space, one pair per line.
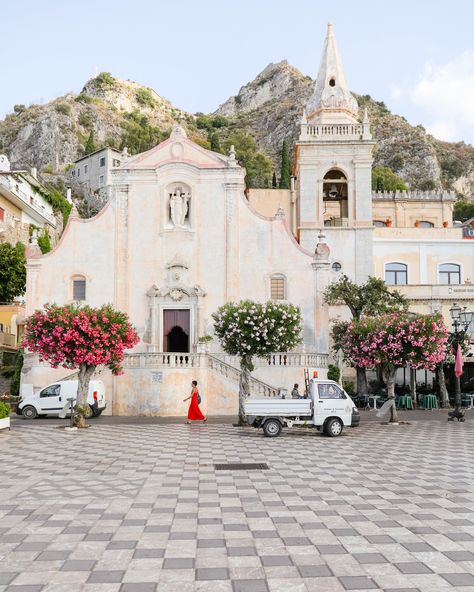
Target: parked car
327,408
52,399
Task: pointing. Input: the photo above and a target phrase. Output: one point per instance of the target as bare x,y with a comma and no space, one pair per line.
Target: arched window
277,287
78,287
396,274
449,273
379,223
425,224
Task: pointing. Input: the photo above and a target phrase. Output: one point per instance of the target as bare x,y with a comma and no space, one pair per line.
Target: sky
415,55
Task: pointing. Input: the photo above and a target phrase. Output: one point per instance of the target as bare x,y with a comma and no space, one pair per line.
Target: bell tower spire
331,101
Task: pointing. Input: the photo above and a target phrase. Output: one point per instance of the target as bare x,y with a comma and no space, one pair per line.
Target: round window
332,82
336,266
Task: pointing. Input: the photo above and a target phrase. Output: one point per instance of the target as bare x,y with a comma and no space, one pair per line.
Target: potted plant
388,222
445,224
417,223
203,344
4,415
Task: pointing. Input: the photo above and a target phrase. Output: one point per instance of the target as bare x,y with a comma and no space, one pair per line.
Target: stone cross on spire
331,101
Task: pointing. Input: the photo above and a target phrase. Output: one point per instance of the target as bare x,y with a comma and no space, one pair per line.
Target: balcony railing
7,340
19,193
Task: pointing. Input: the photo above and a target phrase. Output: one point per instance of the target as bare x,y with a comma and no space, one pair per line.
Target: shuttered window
277,288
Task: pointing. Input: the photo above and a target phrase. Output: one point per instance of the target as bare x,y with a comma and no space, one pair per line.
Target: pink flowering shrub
392,341
71,337
396,340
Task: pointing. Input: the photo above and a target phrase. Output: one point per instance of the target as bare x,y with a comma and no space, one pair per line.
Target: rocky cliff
271,106
122,113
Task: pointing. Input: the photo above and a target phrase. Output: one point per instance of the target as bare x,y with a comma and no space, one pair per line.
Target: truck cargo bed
274,406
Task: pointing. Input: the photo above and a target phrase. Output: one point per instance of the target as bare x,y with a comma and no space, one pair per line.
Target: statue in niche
179,207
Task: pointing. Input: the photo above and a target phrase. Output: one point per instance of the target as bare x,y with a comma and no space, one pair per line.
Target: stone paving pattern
139,507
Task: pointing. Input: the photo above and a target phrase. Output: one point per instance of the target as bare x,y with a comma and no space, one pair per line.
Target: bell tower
333,167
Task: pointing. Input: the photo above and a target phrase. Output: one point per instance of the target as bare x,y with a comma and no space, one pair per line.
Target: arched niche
178,205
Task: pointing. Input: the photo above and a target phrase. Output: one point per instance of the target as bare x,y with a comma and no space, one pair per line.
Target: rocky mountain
271,105
123,113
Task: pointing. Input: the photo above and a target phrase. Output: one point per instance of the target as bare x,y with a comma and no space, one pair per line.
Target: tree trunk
361,386
443,391
245,368
389,372
413,391
85,375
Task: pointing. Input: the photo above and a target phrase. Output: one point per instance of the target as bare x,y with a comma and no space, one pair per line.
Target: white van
52,398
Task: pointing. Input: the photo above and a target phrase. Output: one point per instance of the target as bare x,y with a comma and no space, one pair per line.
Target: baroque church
180,236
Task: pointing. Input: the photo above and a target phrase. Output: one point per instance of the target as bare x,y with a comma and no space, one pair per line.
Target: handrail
256,385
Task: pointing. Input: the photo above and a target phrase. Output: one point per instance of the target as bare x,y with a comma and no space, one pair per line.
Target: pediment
178,148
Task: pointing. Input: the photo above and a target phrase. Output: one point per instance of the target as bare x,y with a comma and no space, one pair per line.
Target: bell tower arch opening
335,198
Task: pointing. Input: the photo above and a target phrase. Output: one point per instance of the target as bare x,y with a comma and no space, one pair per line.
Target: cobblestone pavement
139,507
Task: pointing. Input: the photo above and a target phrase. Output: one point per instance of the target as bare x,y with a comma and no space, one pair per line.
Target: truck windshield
330,391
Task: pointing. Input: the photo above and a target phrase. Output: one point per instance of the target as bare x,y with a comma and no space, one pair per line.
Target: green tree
334,373
285,171
384,179
215,144
248,329
12,271
463,210
44,241
140,134
257,165
274,180
15,383
90,145
365,300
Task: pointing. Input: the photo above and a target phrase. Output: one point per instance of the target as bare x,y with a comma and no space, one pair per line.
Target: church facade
177,240
179,237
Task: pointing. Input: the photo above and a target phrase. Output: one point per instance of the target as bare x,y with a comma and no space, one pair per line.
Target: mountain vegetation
258,120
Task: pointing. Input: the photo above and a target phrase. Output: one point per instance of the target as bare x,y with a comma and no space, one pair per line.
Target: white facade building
93,173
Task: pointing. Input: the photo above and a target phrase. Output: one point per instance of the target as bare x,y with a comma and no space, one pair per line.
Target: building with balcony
12,317
22,203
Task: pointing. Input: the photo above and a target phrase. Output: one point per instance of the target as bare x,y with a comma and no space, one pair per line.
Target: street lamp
461,318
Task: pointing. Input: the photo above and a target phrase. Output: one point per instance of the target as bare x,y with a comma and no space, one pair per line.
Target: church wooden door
176,329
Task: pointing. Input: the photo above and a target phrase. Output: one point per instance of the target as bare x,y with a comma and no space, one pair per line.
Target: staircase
183,361
257,387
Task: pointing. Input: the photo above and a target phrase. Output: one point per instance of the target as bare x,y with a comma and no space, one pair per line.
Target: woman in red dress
194,413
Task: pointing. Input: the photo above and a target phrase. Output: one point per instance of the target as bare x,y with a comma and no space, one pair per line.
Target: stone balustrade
334,131
298,360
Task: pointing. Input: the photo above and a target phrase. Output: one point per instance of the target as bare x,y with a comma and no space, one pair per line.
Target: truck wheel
333,428
29,412
272,428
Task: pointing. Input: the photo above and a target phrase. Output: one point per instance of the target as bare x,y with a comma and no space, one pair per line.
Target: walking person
194,413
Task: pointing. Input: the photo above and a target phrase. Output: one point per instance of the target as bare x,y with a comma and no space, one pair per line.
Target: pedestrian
194,413
295,394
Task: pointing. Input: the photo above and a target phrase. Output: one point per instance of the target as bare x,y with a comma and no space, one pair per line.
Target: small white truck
327,407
